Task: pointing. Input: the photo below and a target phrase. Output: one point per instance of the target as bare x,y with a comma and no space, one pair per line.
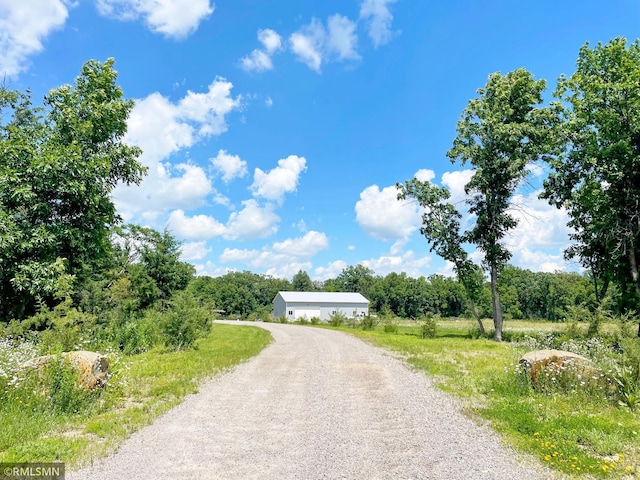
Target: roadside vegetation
68,424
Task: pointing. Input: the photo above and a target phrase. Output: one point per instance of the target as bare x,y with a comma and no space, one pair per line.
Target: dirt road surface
315,404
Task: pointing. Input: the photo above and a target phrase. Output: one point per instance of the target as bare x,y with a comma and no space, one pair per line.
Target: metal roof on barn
323,297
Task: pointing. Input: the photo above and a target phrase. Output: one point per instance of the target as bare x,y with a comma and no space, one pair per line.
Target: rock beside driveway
558,363
92,367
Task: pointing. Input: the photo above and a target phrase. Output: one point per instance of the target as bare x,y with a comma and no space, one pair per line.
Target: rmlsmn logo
31,471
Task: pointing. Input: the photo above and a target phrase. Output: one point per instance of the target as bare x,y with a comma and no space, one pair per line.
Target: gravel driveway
314,404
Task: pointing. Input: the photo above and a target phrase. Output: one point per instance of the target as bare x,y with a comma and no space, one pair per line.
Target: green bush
428,327
184,322
60,329
315,320
368,322
475,333
140,335
337,319
390,328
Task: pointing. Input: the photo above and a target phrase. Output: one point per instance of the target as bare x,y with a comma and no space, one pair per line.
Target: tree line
524,294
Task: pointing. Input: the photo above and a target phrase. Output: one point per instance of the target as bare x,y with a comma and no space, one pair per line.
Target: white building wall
279,306
298,309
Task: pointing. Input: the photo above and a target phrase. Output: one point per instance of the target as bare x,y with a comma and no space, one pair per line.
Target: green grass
577,434
142,387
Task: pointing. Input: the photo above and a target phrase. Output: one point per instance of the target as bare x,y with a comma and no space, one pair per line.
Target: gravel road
315,404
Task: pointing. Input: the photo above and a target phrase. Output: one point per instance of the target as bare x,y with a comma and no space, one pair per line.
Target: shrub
62,328
184,322
390,327
428,327
315,320
337,319
475,333
369,322
141,335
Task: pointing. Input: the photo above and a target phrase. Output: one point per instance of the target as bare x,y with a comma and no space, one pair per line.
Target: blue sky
274,131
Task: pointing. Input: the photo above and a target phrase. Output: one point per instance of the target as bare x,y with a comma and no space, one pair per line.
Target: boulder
92,367
559,363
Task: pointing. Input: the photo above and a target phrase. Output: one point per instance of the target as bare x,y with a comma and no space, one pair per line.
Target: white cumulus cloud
184,186
161,128
342,38
308,44
332,270
382,215
306,246
408,262
231,166
194,251
281,259
271,40
171,18
253,221
455,181
259,60
425,175
314,44
273,185
379,18
23,26
198,227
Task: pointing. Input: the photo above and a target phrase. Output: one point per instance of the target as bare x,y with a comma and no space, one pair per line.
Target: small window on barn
333,313
290,312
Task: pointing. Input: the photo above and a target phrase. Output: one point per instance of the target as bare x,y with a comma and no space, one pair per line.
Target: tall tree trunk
474,312
497,308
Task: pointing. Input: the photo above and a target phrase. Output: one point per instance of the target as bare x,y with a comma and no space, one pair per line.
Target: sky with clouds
275,130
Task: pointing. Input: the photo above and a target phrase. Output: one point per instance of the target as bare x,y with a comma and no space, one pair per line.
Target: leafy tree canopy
58,166
596,178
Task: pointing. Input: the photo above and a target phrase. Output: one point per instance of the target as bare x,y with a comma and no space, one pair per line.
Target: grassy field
142,387
579,433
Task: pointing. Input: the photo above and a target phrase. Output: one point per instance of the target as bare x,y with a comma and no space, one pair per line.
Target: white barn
295,305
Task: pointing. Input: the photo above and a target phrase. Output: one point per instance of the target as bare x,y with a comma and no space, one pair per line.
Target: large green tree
355,278
501,133
597,176
301,282
152,261
58,166
441,227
